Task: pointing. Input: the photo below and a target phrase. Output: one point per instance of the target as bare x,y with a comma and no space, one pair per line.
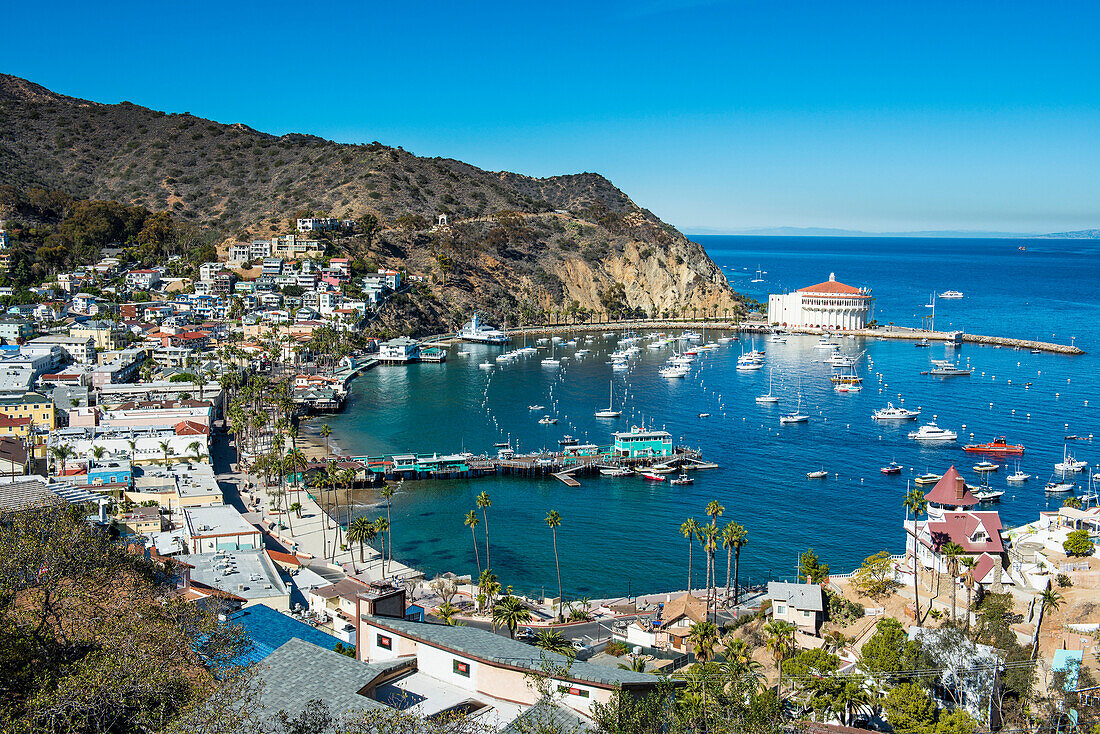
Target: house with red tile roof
951,518
827,305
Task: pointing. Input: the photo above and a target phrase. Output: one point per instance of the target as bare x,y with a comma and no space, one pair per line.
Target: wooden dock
566,477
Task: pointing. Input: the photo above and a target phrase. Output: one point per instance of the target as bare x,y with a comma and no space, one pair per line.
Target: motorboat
890,413
567,440
950,370
651,477
610,411
486,365
1057,487
892,468
998,445
951,295
662,469
927,478
986,466
682,479
819,474
704,415
547,420
747,364
535,407
1018,476
615,471
848,387
932,432
673,372
1069,463
923,343
988,494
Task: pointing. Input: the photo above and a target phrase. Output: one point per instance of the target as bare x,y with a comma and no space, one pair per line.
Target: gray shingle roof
799,596
299,672
547,716
493,648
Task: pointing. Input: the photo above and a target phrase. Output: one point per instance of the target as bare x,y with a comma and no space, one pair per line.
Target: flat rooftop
216,520
246,573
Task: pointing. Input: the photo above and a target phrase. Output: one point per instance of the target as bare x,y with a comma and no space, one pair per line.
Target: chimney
960,487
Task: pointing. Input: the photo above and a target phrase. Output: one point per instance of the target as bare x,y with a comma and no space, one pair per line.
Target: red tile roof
951,491
7,422
191,428
287,558
833,287
986,563
959,527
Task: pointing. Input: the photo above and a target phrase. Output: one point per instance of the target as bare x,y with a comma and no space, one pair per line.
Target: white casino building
829,305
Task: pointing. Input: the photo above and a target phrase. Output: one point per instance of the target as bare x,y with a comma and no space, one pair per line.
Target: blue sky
888,115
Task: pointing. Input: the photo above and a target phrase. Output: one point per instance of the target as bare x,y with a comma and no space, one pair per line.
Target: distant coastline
1083,234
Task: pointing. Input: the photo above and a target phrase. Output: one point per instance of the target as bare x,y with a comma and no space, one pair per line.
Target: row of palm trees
954,555
732,536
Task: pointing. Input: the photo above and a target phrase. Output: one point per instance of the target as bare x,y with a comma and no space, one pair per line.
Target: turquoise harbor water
623,534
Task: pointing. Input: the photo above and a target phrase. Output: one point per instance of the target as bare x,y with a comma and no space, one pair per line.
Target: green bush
1078,543
616,648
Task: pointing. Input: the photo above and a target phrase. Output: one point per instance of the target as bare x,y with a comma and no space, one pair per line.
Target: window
461,668
780,609
384,642
573,691
805,612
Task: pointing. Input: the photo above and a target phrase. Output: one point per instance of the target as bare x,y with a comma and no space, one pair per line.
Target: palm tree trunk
691,542
729,558
736,576
485,520
361,544
954,587
557,564
477,555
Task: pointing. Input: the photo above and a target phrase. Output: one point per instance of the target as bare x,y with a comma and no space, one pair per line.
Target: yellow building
104,333
33,405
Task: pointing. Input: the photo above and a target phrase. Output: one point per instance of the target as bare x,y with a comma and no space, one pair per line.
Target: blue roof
270,630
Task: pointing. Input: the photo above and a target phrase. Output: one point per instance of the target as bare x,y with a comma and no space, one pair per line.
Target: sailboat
759,276
797,416
1069,463
610,412
551,361
1018,475
769,398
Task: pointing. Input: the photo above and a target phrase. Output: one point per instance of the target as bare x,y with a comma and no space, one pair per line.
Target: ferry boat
479,333
986,466
890,413
927,478
893,468
998,445
932,432
951,295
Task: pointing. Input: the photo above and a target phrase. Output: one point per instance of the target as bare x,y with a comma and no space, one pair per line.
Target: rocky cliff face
515,244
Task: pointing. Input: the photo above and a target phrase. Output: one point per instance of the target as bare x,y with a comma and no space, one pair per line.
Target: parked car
526,634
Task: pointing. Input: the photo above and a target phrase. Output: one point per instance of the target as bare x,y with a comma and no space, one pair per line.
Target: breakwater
759,327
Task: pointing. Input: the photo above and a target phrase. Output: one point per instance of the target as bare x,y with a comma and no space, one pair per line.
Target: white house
145,279
828,305
401,349
802,605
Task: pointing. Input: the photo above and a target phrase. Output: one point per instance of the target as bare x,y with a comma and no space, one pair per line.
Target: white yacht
951,295
547,420
1069,463
673,371
797,416
932,432
1018,476
475,331
610,412
890,413
535,407
1057,487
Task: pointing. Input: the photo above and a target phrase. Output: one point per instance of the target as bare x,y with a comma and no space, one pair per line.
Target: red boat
894,468
650,477
997,446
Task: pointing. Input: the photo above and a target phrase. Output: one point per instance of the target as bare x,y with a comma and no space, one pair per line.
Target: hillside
517,244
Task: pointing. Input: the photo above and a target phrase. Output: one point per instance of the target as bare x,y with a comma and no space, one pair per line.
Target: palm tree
703,638
510,612
715,510
483,504
1049,599
740,670
734,536
97,452
553,641
361,531
780,640
952,552
637,664
62,453
133,450
553,521
296,508
381,525
488,586
326,431
472,522
447,612
387,494
165,449
708,537
915,503
196,450
969,563
688,529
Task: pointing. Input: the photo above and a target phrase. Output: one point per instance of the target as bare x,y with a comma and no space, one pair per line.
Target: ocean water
622,535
